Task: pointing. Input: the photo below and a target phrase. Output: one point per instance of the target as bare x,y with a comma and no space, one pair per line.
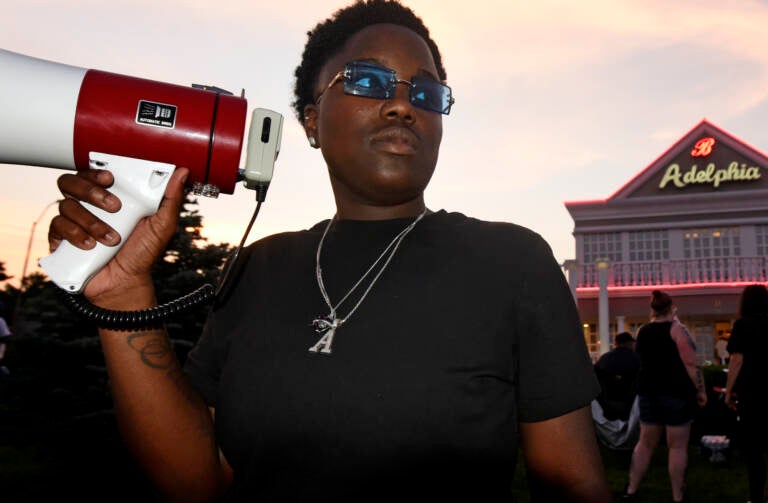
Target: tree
56,400
8,295
3,275
49,339
188,263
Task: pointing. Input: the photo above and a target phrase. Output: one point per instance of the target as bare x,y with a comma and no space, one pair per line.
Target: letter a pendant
328,329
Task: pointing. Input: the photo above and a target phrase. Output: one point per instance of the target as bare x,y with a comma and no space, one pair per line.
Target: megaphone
67,117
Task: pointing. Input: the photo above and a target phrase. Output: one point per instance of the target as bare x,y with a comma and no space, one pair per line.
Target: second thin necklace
327,325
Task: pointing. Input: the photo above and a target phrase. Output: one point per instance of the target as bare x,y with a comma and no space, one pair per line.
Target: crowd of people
656,374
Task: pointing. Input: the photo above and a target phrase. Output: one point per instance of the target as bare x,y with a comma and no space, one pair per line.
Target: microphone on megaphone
66,117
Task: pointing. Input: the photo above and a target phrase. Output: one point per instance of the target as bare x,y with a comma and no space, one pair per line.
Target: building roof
707,178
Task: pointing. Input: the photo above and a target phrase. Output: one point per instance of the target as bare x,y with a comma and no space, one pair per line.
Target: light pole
602,306
26,259
31,238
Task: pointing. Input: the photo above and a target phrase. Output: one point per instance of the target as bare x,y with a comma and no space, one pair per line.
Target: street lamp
31,238
26,260
602,306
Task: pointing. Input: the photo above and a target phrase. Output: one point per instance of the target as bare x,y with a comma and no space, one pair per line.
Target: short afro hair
624,338
328,37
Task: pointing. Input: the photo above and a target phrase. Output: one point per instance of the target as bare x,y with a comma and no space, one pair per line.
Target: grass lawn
90,463
723,482
27,475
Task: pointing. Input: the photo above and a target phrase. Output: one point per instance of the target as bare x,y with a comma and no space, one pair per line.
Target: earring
312,142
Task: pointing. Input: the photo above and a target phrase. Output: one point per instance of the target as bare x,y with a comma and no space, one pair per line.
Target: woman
747,382
669,387
421,374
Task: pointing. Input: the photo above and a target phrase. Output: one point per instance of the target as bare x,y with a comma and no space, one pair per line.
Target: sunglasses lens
430,95
362,79
372,81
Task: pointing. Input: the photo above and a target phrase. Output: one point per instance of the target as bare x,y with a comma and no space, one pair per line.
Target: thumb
174,193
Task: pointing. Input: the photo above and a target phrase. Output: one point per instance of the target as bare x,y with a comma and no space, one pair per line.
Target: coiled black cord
153,317
143,319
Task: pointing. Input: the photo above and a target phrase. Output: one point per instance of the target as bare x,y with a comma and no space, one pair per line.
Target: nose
399,106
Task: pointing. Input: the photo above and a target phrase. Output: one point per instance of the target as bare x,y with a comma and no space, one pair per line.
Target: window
606,245
648,250
761,238
599,246
711,254
649,246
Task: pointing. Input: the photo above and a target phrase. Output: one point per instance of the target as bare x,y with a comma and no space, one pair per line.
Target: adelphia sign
711,175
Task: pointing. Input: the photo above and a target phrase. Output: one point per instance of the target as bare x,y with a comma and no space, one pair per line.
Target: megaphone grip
140,186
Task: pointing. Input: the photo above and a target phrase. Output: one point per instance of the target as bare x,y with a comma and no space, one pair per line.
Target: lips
396,140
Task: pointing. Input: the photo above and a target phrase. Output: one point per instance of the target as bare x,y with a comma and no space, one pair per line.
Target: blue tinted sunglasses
373,81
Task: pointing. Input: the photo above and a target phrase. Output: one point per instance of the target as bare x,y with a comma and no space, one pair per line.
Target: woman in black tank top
670,387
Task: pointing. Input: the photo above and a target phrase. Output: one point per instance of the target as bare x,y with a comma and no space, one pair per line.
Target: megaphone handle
140,185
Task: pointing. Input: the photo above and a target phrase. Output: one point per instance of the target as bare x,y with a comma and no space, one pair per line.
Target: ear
310,125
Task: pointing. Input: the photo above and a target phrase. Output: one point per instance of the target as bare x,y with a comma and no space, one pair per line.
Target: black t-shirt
620,361
469,330
749,338
617,372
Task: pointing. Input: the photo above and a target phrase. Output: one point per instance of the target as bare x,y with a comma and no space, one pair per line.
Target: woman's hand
130,267
734,369
701,398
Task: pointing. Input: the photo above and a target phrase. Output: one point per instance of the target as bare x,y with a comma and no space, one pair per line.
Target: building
694,223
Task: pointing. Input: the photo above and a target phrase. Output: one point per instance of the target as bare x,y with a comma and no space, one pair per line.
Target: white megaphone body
65,117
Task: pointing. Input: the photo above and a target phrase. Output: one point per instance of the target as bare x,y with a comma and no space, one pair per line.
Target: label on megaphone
140,186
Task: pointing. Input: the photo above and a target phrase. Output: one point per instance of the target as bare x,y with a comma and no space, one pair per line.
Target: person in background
670,386
747,384
5,332
617,373
460,347
721,350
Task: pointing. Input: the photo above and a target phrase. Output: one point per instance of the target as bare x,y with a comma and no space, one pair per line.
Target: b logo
703,147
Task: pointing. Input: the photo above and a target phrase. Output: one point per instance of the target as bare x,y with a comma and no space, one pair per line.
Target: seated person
617,372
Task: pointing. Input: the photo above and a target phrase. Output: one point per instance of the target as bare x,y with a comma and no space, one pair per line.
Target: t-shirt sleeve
205,360
555,374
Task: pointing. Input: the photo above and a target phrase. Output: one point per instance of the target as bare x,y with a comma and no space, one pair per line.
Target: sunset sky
555,100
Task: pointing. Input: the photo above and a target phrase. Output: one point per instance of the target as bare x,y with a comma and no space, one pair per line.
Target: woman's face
379,152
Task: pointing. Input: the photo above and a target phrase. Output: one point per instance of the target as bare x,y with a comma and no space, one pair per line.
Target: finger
64,229
101,177
88,222
89,186
174,193
80,227
163,223
53,240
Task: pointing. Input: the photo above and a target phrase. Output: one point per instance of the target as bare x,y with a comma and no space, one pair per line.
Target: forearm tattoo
155,350
699,380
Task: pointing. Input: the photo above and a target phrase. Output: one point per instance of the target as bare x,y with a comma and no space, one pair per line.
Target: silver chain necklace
327,325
